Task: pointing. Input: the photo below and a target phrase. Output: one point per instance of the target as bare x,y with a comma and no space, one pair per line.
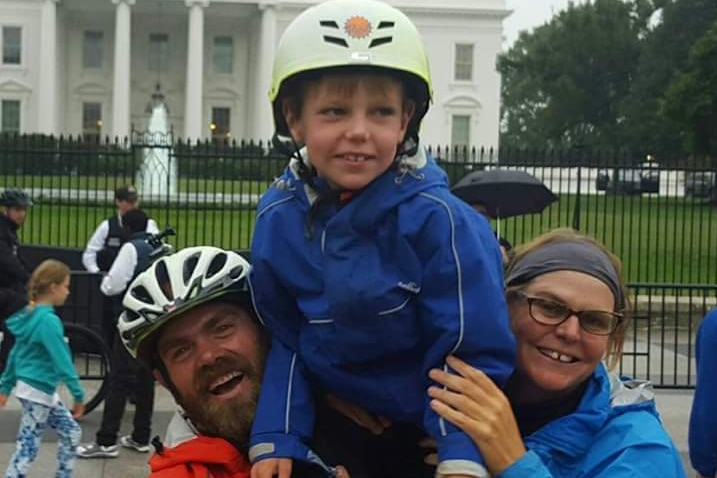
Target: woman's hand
374,423
477,406
3,400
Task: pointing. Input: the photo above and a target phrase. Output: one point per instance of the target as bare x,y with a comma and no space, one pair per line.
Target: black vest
116,236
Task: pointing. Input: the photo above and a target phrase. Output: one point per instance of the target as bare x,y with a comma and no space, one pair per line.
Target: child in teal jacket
39,361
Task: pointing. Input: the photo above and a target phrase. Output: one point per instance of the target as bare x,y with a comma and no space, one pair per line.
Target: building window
10,114
11,45
158,52
92,120
464,62
221,124
223,55
460,131
92,49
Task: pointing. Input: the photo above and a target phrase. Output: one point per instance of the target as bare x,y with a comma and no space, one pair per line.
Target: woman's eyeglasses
550,312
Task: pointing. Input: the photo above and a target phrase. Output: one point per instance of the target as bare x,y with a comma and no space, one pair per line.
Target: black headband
579,256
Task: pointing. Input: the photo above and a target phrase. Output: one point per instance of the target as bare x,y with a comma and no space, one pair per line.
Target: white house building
91,66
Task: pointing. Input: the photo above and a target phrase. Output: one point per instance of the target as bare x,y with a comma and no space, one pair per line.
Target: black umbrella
504,192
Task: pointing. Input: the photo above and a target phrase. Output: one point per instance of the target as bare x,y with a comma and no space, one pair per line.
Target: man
189,318
103,247
105,242
14,204
128,377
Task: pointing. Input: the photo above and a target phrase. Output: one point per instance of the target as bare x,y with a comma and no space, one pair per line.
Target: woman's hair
617,337
49,272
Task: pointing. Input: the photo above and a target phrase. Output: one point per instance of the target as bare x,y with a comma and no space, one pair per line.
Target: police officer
128,376
105,242
14,204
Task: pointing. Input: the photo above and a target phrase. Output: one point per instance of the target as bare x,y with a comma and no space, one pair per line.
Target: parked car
645,179
700,184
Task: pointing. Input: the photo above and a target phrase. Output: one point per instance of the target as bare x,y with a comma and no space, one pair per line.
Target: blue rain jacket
615,433
703,420
370,297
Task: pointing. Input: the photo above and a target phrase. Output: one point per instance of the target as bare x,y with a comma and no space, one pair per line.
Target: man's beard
228,419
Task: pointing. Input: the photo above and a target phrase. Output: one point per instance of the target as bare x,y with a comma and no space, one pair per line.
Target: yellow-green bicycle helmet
351,33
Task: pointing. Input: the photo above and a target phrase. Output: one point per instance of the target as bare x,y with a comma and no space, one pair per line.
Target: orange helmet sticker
357,27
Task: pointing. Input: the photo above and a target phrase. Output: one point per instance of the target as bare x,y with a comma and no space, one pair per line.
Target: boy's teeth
355,158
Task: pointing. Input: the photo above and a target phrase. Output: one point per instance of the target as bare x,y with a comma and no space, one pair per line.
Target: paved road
674,407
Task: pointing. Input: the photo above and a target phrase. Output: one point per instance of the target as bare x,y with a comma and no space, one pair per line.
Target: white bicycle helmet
175,284
347,34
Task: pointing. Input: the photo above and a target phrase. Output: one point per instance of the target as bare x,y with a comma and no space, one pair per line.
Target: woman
562,415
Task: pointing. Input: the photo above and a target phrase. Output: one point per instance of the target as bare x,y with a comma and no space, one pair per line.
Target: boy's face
352,126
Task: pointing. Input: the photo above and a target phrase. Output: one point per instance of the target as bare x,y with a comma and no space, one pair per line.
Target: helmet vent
385,25
162,275
380,41
216,265
329,24
190,264
336,41
141,294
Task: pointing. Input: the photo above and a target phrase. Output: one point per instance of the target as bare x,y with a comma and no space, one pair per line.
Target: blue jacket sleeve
703,421
52,338
463,312
285,413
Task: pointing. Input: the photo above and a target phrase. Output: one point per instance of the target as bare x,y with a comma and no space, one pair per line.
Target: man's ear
292,121
159,378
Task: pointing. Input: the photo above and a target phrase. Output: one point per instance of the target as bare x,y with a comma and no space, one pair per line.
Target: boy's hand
78,409
3,400
271,468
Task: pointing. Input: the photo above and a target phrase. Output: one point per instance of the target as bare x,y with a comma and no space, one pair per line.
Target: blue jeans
35,419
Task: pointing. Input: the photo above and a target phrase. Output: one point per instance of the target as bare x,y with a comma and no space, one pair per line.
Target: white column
47,90
193,114
122,65
263,120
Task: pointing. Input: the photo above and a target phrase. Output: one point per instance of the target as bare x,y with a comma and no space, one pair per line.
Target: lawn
659,239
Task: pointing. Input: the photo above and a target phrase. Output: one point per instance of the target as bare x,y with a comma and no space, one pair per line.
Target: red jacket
200,457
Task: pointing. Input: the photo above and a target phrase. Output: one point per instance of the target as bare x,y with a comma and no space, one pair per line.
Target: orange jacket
200,457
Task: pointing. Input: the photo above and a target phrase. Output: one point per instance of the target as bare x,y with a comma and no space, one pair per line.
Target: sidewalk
674,406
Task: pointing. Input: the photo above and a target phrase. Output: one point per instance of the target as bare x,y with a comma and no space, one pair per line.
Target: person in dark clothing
128,376
102,249
14,204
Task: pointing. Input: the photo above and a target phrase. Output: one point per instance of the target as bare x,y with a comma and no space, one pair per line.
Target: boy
367,270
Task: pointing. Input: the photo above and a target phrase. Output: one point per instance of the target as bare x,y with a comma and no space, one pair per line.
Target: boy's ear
292,121
409,110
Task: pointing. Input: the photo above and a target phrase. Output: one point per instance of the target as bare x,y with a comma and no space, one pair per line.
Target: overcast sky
528,14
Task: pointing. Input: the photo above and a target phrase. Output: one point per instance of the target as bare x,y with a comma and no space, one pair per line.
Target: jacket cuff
277,445
458,455
529,464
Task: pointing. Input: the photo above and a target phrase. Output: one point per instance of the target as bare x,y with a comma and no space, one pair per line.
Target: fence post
576,156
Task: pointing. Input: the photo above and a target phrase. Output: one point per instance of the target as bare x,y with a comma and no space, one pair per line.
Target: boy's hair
350,36
135,221
50,271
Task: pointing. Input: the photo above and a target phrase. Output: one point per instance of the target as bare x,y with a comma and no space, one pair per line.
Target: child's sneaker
127,442
93,450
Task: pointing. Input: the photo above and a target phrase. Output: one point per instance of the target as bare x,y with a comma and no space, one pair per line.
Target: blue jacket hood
26,321
407,178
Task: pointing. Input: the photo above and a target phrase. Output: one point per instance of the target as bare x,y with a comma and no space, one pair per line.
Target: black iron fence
660,218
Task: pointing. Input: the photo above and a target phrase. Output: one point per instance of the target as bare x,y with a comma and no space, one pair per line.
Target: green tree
691,99
564,83
665,52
